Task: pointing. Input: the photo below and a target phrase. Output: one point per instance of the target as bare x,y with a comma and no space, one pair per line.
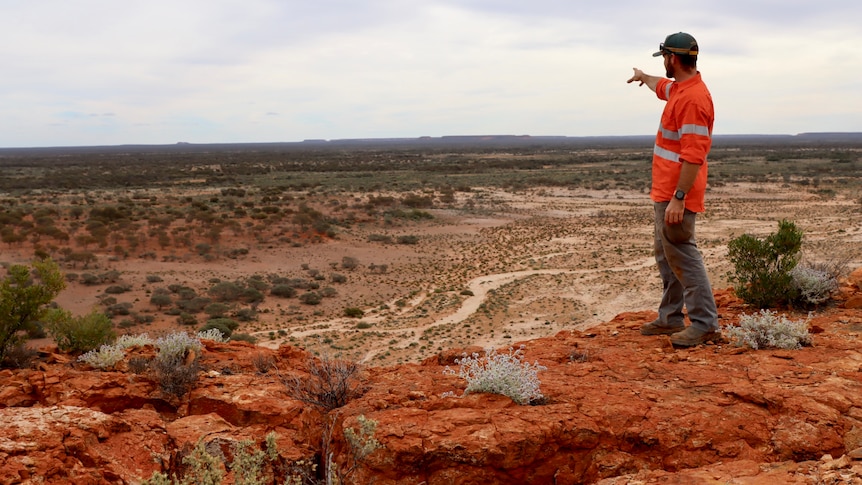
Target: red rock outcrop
619,408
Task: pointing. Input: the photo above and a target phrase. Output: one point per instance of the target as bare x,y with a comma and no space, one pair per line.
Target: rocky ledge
619,408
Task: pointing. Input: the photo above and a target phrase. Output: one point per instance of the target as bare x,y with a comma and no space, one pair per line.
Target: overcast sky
106,72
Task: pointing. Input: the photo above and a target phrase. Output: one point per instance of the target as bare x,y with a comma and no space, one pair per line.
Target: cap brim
658,54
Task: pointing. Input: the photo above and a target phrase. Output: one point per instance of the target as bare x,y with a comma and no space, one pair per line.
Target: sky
108,72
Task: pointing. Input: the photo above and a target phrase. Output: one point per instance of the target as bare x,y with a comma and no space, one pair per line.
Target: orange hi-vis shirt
685,134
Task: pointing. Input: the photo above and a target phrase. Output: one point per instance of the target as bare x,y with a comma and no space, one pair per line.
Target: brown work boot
657,328
692,336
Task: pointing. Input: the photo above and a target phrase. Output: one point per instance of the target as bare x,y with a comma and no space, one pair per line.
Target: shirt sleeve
695,136
662,89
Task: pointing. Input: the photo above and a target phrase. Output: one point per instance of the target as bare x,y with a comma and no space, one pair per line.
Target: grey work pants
683,274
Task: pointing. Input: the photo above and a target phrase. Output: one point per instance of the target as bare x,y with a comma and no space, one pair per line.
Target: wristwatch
679,195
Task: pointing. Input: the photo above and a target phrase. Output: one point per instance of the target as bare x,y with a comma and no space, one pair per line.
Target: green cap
679,43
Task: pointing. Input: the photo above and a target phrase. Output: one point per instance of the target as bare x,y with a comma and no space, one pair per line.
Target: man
679,171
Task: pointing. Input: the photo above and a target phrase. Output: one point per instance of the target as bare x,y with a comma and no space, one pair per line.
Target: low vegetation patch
768,330
505,374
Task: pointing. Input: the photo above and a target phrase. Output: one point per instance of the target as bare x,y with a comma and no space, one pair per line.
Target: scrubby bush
194,305
283,291
310,298
353,312
117,289
814,286
18,356
243,337
250,466
187,319
216,310
251,295
505,374
225,291
408,239
124,308
766,329
161,300
338,278
245,315
763,267
80,334
331,383
174,375
224,325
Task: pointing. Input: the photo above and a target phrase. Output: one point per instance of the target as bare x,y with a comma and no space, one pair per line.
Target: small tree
763,267
24,299
161,300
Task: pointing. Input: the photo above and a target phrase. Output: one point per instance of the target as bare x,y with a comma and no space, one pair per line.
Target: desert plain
407,250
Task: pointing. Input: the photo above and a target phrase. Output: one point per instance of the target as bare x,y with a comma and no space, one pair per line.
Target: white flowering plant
105,357
213,334
813,285
173,347
505,374
766,329
126,341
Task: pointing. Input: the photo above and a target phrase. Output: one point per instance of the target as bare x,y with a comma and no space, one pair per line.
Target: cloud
201,71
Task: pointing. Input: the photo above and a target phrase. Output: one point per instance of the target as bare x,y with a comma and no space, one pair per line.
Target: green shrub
250,466
505,374
283,291
766,329
24,296
353,312
225,291
80,334
161,300
251,295
763,267
117,289
310,298
245,315
216,310
194,305
187,319
224,325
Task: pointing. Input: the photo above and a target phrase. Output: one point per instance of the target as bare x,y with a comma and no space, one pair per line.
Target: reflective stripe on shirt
666,154
694,130
685,130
